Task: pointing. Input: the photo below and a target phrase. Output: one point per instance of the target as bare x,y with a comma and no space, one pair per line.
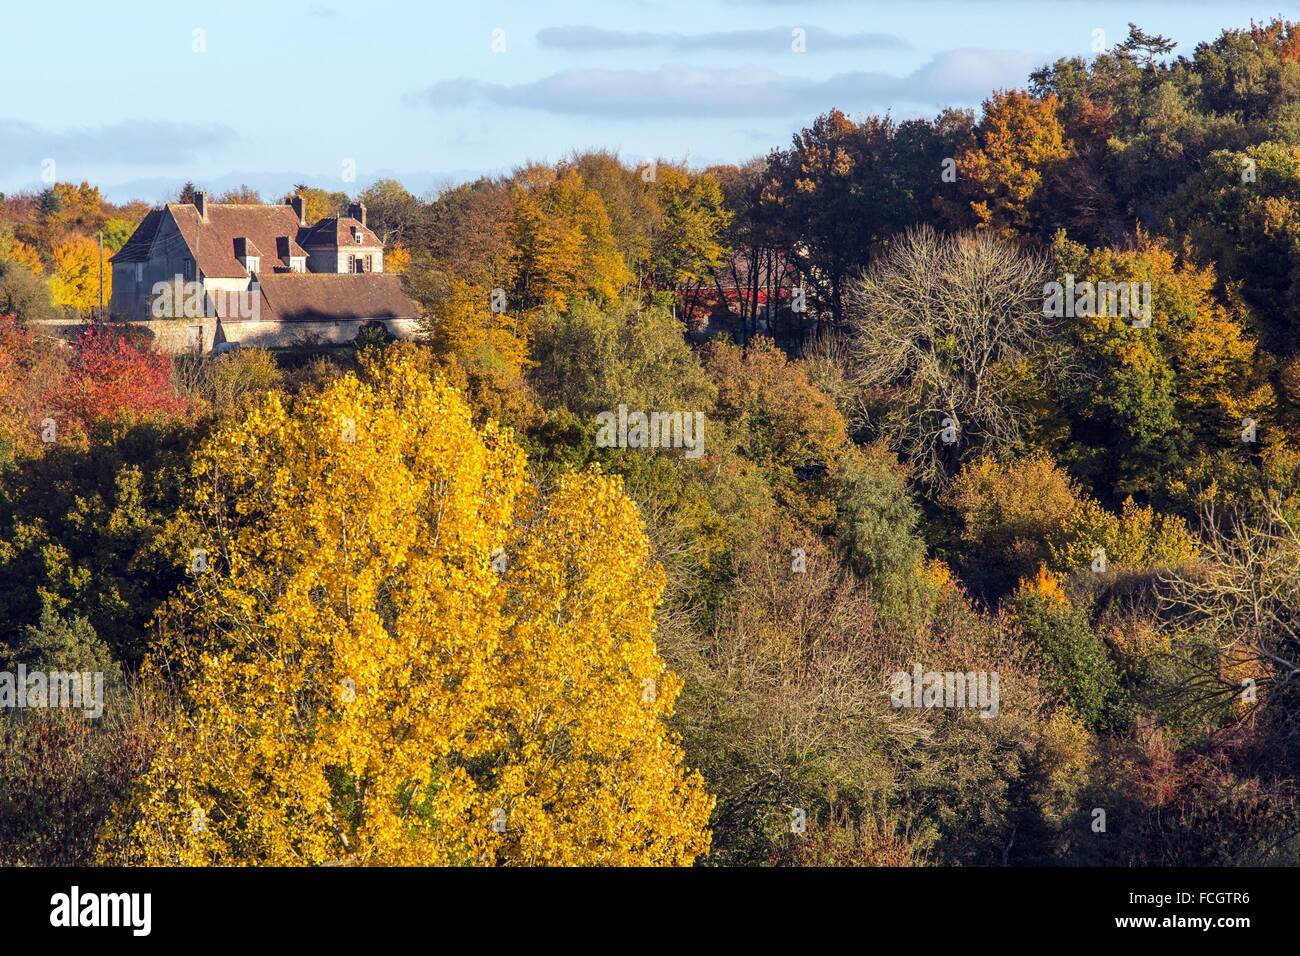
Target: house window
370,264
254,263
297,264
352,263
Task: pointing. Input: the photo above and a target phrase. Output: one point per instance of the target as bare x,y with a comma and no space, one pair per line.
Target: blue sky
317,90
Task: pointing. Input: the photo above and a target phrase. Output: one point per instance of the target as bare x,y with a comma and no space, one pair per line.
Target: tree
319,204
687,244
781,422
16,252
392,213
24,294
564,246
116,233
589,360
1018,137
30,373
950,331
1010,516
397,260
482,350
1242,211
66,207
111,375
1232,618
1080,669
632,203
816,191
396,653
241,195
467,231
877,524
1168,397
77,269
1145,48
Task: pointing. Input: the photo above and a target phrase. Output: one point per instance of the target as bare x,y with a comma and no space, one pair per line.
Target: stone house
210,276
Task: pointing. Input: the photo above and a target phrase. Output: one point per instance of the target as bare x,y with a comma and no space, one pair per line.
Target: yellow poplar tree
393,652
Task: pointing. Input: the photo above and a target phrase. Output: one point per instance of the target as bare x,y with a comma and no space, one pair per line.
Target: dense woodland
435,622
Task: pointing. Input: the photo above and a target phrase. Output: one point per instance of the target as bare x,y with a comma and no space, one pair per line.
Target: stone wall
176,336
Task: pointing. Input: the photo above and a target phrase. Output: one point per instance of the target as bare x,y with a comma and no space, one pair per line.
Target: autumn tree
394,652
564,246
687,244
77,269
467,232
1242,211
1166,392
24,294
631,200
241,195
30,376
319,203
1231,617
816,193
482,349
392,213
110,374
781,422
1018,137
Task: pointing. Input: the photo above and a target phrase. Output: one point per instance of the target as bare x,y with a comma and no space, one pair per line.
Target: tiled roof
137,247
336,231
261,225
294,296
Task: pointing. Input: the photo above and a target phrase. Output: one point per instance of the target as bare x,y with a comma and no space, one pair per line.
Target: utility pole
101,274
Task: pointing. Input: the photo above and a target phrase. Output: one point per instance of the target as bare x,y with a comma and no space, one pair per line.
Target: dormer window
254,263
297,264
356,234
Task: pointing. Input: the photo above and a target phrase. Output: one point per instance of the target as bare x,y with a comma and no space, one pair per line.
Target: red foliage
31,369
110,375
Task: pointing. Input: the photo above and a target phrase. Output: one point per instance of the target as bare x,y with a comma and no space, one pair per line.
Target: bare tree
1237,612
949,331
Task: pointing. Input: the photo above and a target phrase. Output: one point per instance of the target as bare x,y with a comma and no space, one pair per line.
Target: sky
139,97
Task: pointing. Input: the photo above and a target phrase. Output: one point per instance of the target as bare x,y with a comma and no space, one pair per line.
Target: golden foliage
1045,585
1019,137
396,654
76,272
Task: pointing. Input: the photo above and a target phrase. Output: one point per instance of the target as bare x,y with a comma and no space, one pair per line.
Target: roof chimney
201,204
300,208
357,211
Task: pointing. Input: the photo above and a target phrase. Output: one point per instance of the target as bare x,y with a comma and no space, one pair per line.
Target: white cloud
955,77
